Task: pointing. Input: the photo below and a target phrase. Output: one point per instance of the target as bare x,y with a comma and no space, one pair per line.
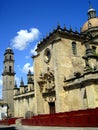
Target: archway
52,107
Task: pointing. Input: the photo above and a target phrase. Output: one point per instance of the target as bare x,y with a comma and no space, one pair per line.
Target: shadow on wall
8,128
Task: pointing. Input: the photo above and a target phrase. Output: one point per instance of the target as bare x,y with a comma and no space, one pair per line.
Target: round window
47,55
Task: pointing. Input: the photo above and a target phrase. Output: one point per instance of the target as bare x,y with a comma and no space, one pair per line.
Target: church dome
91,23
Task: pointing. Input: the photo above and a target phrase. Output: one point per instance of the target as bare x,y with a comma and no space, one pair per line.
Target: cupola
91,13
91,25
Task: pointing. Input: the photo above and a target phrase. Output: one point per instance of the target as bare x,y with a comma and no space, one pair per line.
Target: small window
5,57
5,69
10,69
47,55
10,57
74,49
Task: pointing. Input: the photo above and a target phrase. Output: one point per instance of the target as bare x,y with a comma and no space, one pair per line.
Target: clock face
47,55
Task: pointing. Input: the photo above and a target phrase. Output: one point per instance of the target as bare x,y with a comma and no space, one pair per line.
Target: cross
90,5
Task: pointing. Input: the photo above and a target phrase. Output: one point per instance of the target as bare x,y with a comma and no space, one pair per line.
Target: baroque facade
65,73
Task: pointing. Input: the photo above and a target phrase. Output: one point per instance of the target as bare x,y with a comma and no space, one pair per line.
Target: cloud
24,38
27,57
0,87
27,67
32,51
0,81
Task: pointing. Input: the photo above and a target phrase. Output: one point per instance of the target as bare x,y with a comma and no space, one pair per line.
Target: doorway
52,107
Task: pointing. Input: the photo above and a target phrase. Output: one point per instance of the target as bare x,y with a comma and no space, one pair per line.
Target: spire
91,12
30,77
21,82
29,72
15,86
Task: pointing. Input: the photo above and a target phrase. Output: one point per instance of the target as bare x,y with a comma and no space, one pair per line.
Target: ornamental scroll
46,81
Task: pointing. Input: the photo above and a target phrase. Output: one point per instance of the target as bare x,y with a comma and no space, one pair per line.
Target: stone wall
24,105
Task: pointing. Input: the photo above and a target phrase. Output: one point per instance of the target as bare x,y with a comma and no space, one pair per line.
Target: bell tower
8,76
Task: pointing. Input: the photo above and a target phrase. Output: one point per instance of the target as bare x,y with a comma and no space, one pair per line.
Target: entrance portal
52,107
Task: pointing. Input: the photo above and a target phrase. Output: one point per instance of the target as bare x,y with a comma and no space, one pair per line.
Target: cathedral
65,73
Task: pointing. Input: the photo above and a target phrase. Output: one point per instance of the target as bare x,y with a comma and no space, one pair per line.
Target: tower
8,76
30,79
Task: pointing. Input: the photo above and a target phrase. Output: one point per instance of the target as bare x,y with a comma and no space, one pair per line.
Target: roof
57,33
8,51
91,9
93,23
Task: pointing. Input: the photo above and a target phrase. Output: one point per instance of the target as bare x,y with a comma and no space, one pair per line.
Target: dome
93,22
8,51
9,48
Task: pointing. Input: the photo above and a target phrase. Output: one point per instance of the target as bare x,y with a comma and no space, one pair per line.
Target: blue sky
23,23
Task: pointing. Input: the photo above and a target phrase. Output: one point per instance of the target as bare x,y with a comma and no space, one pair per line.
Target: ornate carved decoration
46,81
50,99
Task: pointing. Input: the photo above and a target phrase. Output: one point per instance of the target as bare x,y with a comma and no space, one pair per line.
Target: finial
64,27
70,29
15,86
46,34
43,38
29,72
50,33
21,82
76,31
58,26
80,29
54,29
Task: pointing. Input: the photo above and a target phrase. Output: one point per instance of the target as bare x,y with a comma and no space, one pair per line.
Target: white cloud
27,67
24,38
27,57
0,81
32,51
0,87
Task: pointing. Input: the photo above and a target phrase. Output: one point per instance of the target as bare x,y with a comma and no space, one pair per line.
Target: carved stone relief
46,81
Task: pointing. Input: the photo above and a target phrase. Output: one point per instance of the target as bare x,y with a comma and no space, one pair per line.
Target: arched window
74,49
10,57
10,69
5,57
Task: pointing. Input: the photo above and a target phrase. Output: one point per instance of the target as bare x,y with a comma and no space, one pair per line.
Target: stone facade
62,64
8,80
65,73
